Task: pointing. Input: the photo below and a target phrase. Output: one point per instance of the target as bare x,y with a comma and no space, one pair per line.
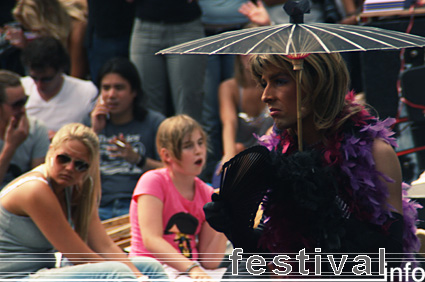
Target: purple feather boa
353,153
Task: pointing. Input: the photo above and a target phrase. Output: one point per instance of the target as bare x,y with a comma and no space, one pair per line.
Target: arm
101,243
127,152
98,115
16,133
151,228
212,246
37,200
387,162
77,53
228,103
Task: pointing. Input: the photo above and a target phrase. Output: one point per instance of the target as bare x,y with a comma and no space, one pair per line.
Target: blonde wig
325,82
45,18
173,130
87,195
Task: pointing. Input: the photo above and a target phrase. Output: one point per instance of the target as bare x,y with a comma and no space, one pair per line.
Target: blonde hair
173,130
46,17
325,82
87,195
77,9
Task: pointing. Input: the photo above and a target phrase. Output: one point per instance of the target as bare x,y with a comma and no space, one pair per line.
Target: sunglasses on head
19,104
80,166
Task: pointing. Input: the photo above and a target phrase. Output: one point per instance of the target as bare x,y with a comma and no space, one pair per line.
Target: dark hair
7,79
45,52
128,71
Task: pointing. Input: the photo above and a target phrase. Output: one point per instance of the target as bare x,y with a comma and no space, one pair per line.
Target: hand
349,20
255,13
98,115
123,149
15,35
198,274
17,130
143,278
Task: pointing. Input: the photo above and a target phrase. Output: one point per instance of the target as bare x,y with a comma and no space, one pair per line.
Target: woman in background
54,208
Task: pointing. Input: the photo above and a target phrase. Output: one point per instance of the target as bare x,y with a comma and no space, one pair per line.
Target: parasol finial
296,10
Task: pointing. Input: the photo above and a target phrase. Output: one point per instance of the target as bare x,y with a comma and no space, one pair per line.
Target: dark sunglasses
43,79
80,166
20,103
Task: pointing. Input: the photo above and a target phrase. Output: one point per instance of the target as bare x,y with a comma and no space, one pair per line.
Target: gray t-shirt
34,147
118,176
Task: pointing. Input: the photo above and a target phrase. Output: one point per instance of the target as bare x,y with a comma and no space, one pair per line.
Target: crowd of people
94,125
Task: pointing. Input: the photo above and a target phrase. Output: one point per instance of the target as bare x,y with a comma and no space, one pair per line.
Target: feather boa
350,152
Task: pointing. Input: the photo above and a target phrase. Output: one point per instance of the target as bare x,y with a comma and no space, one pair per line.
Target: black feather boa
301,207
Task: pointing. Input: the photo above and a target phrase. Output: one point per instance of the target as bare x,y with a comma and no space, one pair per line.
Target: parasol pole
296,10
298,67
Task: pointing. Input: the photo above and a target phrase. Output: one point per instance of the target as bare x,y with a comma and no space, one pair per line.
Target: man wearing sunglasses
54,97
23,140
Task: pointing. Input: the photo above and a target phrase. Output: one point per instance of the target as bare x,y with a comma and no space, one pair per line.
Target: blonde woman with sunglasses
54,208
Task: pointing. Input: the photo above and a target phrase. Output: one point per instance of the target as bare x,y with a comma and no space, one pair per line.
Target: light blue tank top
23,248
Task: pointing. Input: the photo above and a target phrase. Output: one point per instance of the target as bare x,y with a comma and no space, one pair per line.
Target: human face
47,80
67,166
16,100
193,154
279,93
117,94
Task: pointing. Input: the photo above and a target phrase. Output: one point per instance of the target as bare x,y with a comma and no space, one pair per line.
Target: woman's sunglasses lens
63,159
81,166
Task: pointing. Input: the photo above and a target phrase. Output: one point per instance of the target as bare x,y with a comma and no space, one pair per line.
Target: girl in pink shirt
166,212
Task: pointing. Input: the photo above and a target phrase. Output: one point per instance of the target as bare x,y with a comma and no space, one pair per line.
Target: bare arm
102,244
36,199
77,52
16,133
151,227
387,162
228,103
212,246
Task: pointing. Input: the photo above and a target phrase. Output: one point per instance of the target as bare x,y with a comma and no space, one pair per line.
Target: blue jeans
162,76
219,68
100,50
103,270
117,207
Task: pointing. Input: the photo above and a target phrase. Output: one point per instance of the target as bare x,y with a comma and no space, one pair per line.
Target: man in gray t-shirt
23,140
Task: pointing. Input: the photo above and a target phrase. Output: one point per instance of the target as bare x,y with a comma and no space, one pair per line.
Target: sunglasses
43,79
80,166
19,104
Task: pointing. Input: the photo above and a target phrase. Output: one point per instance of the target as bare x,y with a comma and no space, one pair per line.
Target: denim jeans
102,270
100,50
117,207
162,76
219,68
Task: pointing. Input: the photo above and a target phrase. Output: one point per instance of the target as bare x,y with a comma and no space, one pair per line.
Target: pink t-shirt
182,219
